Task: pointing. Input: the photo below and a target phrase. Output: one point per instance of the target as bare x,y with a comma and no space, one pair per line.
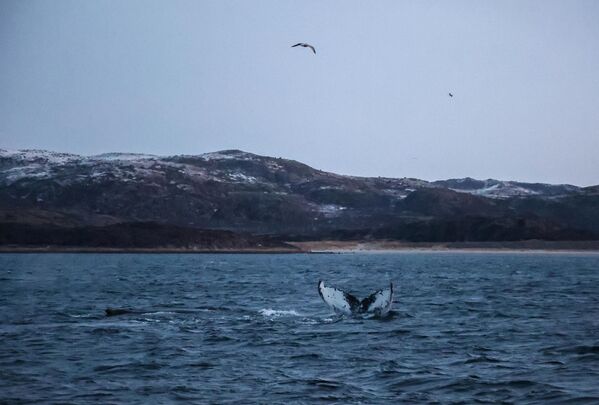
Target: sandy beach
331,246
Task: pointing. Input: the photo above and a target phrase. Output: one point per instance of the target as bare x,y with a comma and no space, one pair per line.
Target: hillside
242,192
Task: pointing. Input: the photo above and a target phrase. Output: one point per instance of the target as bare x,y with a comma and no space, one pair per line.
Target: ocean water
465,327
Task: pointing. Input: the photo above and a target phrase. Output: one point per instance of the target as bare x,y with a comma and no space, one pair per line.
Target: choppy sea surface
465,327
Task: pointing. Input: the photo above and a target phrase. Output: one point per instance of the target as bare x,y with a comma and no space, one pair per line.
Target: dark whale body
119,311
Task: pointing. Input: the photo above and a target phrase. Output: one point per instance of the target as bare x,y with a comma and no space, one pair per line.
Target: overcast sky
188,77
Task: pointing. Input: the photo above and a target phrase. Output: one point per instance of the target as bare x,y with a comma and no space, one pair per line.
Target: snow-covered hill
233,166
202,189
238,190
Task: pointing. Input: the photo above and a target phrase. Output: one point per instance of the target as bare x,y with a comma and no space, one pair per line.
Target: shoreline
344,247
59,249
532,246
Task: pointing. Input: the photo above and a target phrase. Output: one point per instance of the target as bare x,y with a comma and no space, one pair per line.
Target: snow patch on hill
33,171
239,177
499,190
227,155
31,155
123,157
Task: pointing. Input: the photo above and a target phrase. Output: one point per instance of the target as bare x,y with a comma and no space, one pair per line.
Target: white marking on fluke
378,303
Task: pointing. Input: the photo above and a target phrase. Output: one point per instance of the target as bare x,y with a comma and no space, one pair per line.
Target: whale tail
378,303
340,301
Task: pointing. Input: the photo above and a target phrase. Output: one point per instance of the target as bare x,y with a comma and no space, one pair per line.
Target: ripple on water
252,328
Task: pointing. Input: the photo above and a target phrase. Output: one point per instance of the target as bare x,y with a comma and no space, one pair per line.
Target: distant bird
450,95
305,46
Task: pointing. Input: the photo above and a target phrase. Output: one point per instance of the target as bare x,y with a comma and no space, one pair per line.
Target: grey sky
187,77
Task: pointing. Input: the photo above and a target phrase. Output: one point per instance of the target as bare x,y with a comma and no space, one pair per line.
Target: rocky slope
505,189
243,192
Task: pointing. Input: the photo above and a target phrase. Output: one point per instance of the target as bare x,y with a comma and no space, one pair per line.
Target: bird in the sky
305,46
450,95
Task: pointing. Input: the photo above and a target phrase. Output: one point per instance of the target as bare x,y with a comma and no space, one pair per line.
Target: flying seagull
305,46
450,95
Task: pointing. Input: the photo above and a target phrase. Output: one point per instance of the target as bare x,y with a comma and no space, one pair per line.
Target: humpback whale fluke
339,301
378,303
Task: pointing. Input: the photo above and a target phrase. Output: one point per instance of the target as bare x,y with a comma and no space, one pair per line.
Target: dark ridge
466,229
132,235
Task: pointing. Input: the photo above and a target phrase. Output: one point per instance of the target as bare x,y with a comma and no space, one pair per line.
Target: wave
83,315
277,313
